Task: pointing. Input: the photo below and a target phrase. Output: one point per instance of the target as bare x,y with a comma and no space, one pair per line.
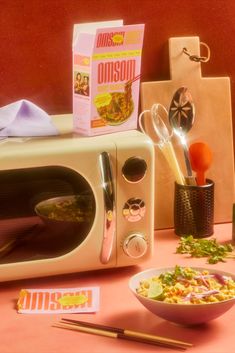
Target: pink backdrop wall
36,36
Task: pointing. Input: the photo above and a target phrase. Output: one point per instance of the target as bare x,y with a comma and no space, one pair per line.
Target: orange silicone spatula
200,156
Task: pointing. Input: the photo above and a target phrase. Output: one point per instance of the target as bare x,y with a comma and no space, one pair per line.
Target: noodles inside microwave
40,204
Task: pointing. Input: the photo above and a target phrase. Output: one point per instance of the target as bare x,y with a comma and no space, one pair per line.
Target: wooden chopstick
110,334
122,333
127,332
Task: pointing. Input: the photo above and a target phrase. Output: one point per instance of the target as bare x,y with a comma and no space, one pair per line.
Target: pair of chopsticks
115,332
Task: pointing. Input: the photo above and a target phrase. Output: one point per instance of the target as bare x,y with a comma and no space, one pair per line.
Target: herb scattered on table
209,248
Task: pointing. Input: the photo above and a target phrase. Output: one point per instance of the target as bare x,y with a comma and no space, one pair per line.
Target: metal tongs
162,138
164,135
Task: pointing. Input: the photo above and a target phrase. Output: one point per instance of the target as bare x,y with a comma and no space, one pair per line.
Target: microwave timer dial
134,169
135,245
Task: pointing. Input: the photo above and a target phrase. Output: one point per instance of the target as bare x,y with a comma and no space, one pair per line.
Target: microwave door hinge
109,207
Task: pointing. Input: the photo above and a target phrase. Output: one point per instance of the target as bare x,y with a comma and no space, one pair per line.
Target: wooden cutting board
213,125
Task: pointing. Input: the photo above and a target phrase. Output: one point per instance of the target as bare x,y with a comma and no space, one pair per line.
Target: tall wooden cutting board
213,125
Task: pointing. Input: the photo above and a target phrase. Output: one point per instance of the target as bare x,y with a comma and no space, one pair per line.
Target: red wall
36,37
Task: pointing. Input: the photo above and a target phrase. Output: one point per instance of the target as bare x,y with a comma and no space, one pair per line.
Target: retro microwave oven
71,204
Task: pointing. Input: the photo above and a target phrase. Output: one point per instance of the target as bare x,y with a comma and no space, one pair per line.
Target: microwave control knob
135,245
134,209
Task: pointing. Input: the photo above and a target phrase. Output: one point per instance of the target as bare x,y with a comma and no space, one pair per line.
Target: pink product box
106,77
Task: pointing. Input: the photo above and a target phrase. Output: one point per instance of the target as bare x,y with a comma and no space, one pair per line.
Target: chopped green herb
170,277
167,278
209,248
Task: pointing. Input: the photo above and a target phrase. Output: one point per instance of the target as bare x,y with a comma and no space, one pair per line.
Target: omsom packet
58,300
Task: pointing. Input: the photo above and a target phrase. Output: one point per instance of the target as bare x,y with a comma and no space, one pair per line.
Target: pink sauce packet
59,300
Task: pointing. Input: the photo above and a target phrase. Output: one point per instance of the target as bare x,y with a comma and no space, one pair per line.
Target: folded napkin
24,118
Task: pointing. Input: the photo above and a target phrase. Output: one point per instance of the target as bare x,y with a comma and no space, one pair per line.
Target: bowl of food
184,295
63,212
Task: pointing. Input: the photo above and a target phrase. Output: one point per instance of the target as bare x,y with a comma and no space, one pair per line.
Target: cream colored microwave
71,204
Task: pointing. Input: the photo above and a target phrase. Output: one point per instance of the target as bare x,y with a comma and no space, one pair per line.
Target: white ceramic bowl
184,314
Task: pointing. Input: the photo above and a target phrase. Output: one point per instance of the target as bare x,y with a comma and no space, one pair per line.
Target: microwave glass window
47,212
134,169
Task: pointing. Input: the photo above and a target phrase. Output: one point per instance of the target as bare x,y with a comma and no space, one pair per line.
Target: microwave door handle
109,207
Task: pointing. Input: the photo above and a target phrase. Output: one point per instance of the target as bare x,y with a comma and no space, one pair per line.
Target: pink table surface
21,333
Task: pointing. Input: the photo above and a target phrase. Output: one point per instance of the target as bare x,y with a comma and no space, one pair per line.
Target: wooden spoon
201,158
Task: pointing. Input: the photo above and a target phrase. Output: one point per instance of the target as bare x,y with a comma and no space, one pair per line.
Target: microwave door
109,207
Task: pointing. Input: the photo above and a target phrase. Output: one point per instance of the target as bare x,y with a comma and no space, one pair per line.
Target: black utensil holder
194,210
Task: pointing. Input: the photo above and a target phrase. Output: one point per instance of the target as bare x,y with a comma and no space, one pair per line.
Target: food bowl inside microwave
76,211
189,310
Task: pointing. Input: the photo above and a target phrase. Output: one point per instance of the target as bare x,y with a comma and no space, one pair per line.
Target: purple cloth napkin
24,118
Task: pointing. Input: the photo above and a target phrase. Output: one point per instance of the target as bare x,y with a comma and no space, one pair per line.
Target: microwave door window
48,211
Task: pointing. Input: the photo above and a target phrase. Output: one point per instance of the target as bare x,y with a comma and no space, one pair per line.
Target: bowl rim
165,269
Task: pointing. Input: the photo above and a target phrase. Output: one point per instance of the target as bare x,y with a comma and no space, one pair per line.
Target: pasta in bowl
185,295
